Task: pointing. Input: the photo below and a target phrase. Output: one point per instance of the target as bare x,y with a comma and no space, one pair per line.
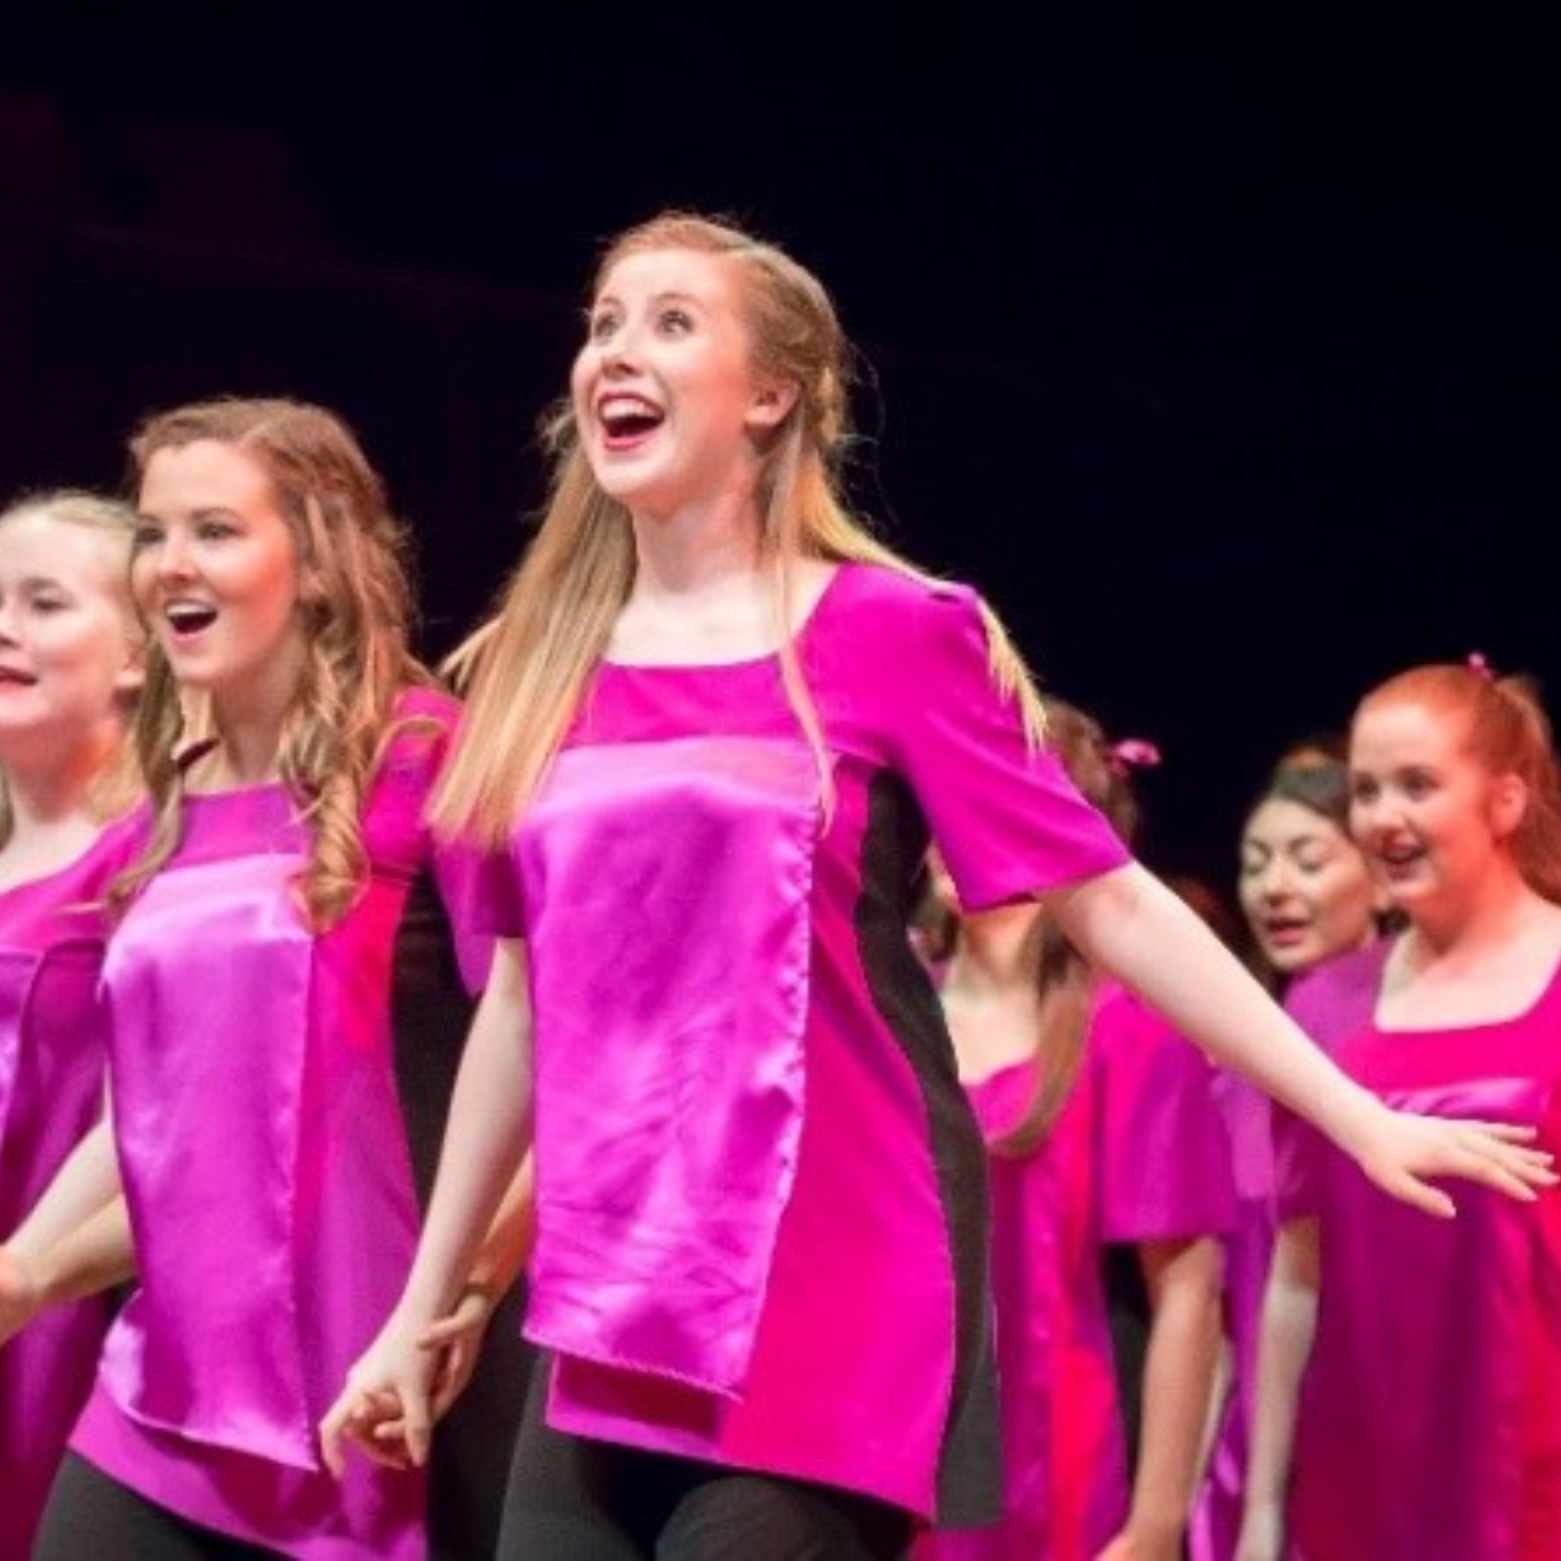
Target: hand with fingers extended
1401,1152
387,1406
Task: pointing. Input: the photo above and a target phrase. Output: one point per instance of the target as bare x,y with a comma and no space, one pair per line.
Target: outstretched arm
486,1142
1133,925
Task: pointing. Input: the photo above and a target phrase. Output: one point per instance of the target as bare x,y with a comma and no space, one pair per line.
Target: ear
771,403
1508,804
131,677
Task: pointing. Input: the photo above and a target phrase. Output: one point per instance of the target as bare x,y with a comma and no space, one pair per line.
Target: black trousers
571,1499
89,1515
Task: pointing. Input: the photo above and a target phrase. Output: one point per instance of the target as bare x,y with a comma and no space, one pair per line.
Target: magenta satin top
762,1222
1327,1002
52,1056
1136,1155
266,1165
1430,1415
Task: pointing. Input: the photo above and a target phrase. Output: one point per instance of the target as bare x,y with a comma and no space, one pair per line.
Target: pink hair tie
1480,666
1132,753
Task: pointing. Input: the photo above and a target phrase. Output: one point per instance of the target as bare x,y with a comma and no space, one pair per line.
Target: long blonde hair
525,670
355,591
117,783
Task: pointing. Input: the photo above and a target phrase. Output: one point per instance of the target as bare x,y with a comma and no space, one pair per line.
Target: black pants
571,1499
88,1515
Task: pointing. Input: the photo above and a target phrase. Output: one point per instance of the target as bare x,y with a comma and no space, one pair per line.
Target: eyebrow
672,295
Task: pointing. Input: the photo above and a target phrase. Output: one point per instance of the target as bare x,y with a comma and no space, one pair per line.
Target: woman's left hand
1400,1151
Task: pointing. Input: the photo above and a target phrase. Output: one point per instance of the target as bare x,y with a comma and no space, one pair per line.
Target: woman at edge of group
709,693
285,919
1454,1448
71,667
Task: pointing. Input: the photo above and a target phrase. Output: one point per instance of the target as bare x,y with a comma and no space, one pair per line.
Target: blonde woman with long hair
709,728
287,943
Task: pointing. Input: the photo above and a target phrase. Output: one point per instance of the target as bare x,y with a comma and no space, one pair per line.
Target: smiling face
669,408
1305,888
69,649
216,576
1432,818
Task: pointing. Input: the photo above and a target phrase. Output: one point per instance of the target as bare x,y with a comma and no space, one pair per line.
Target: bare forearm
1140,930
85,1184
95,1256
507,1246
1289,1325
486,1144
1179,1372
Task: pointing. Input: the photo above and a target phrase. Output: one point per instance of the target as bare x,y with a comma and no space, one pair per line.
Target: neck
996,950
695,551
247,753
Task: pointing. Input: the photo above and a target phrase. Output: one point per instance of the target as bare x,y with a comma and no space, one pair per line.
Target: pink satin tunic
762,1218
266,1165
1137,1154
1430,1417
1328,1003
53,1051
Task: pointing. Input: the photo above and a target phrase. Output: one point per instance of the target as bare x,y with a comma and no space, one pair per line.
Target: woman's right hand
386,1406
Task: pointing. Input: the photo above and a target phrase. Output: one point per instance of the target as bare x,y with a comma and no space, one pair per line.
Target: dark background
1218,348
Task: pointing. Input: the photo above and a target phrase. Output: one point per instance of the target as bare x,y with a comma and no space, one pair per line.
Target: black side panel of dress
430,1014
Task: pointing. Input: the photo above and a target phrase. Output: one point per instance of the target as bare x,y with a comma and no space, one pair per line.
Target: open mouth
626,419
186,618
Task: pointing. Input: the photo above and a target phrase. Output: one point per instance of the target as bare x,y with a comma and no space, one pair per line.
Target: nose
170,556
619,348
1274,878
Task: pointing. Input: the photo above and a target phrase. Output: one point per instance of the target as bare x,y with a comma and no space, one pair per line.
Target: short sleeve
1163,1150
457,869
1008,820
496,905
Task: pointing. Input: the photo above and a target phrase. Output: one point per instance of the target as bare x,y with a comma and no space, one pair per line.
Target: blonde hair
1507,732
117,782
356,595
525,670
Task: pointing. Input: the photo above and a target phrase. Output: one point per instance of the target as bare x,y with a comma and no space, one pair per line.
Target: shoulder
878,588
422,725
897,611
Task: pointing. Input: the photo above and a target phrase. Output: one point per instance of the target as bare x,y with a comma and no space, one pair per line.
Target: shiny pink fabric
1329,1003
1430,1419
1064,1459
653,1249
1137,1154
52,1057
859,1355
267,1171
